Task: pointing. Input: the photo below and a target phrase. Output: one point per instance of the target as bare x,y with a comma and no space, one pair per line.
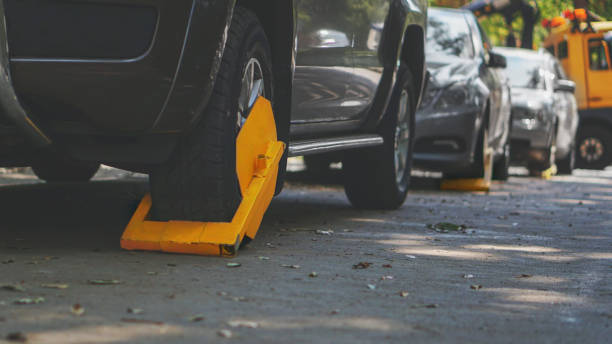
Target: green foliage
496,27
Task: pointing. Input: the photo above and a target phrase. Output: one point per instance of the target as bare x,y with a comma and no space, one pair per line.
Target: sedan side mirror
565,86
497,60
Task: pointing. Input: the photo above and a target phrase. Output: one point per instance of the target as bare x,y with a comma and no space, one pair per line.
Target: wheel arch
278,21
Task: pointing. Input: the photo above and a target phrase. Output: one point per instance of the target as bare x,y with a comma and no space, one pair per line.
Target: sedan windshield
448,33
525,72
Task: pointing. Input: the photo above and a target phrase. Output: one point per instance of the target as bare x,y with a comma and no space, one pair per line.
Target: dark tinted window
562,50
551,49
525,72
597,55
448,33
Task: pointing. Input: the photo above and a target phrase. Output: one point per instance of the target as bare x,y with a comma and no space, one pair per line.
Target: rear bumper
444,141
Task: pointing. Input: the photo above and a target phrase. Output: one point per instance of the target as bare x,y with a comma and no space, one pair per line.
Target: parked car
544,111
466,108
163,87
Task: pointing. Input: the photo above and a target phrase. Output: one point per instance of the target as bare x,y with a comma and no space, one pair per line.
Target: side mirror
565,86
497,60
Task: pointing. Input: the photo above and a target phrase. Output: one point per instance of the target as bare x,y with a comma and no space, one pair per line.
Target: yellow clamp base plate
474,184
549,173
258,154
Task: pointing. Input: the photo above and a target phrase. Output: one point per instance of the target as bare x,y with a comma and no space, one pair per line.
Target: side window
562,50
551,49
598,59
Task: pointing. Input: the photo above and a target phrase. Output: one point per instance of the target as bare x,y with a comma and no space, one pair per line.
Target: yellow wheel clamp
549,173
258,154
474,184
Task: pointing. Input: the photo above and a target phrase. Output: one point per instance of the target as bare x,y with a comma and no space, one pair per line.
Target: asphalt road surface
529,262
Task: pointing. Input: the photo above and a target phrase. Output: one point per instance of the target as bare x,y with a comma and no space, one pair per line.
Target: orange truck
584,49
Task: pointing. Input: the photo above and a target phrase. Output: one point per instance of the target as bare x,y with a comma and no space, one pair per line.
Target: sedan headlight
527,114
452,97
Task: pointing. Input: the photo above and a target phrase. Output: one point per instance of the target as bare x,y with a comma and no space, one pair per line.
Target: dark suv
163,87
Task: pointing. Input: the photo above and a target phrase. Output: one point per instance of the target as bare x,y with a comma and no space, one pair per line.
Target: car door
324,64
368,28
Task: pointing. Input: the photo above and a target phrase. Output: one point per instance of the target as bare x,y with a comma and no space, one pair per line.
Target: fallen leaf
142,321
334,312
430,305
77,309
524,276
17,337
104,282
371,286
245,324
313,274
290,266
476,286
29,301
12,287
224,333
447,226
135,311
322,232
387,266
54,286
197,318
409,256
468,276
404,294
233,265
362,265
263,258
384,278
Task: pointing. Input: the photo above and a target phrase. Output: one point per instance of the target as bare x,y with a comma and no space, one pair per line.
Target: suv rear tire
199,182
378,177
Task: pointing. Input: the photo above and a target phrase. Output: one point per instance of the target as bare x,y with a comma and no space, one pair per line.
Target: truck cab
584,50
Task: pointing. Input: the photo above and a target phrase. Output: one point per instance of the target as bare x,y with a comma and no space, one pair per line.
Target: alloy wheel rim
252,86
591,149
402,138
